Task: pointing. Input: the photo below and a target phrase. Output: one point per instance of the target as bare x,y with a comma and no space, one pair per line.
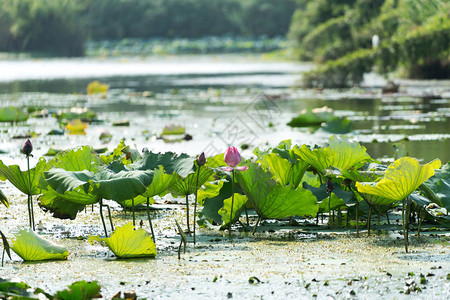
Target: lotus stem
356,219
101,216
404,226
109,216
187,215
368,220
246,214
379,223
420,221
232,203
256,225
150,219
387,218
30,199
195,203
3,255
132,207
407,217
329,212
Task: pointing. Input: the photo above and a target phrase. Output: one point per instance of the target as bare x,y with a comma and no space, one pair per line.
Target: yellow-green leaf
341,154
129,242
401,178
31,247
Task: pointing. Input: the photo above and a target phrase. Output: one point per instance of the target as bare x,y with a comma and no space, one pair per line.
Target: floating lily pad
12,114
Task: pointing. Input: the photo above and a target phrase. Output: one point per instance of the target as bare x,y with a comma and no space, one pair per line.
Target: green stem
256,225
30,199
404,226
232,203
368,220
329,212
3,255
150,219
246,214
356,218
132,206
195,203
101,217
187,215
109,216
379,223
407,216
420,221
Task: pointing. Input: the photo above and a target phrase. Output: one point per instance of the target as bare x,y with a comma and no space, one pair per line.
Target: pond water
223,100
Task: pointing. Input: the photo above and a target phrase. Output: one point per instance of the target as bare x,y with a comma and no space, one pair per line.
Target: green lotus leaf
15,290
104,184
212,204
284,171
311,179
20,178
129,242
80,290
341,154
443,191
209,190
339,197
238,205
160,183
216,161
401,178
4,199
76,159
272,200
31,247
378,200
12,114
65,206
188,185
312,117
436,188
181,164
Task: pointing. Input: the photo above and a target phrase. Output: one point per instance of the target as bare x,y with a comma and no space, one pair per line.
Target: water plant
26,181
31,247
401,178
232,159
129,242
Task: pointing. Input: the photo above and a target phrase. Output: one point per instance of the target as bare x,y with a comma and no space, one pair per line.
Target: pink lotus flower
232,159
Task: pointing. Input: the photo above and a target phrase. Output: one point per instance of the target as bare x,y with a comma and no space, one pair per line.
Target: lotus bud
232,157
330,186
201,159
27,148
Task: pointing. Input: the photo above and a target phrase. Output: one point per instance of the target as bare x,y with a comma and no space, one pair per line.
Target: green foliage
402,178
12,114
341,154
413,36
272,200
20,178
238,206
61,27
129,242
80,290
50,26
31,247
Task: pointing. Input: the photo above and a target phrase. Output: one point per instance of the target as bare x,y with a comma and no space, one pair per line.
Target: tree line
61,27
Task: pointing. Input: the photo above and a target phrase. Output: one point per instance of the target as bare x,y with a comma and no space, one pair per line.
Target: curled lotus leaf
31,247
401,178
129,242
